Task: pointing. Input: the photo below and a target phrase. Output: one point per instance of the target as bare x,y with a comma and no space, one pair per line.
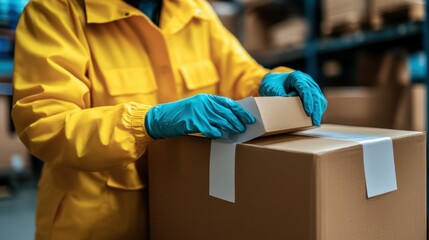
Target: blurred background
367,55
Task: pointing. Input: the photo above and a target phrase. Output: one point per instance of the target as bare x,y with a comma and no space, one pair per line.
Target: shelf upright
310,12
5,89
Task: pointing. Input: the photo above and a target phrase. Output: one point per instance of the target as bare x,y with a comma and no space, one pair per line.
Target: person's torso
134,60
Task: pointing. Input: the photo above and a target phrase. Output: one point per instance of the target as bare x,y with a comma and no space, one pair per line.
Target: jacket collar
175,14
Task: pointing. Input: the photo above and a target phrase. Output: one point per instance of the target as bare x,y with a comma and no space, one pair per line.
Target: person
95,82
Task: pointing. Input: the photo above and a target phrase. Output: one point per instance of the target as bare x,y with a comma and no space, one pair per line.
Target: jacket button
198,12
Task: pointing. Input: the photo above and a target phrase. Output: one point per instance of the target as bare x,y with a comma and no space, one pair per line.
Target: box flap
280,114
274,115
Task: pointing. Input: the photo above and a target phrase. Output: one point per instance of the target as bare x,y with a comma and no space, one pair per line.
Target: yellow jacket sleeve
240,74
52,109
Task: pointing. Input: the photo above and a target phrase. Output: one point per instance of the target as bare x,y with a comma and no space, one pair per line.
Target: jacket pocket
130,81
200,77
125,178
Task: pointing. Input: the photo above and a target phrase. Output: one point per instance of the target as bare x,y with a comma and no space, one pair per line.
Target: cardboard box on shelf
384,12
14,157
401,107
289,187
392,12
348,15
411,111
390,68
255,38
362,106
418,107
288,33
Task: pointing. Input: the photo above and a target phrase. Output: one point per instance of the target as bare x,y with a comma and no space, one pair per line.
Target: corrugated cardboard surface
287,187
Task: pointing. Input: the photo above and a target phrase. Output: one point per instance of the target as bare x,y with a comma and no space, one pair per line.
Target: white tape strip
222,155
222,171
379,163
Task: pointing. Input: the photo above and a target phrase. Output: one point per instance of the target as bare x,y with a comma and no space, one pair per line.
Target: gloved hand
296,84
202,113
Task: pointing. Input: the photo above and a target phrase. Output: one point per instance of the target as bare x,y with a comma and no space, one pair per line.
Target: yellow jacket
86,72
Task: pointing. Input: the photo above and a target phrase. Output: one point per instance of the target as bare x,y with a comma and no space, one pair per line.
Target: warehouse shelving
322,46
6,68
6,89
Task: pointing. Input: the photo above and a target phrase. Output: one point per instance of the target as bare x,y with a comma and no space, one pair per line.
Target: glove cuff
149,123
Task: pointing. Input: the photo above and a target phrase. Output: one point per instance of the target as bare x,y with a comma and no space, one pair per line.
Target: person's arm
52,109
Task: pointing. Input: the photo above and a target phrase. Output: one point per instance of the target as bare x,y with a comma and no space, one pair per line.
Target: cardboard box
362,106
14,157
391,12
380,6
343,13
401,107
289,33
255,32
418,107
411,111
288,187
386,69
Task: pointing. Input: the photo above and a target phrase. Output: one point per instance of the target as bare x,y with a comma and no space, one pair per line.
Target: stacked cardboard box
411,111
291,32
383,11
343,13
255,32
288,187
384,69
386,96
401,107
244,22
14,157
362,106
380,6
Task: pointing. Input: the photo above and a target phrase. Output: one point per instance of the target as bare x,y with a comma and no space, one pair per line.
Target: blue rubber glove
296,84
202,113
